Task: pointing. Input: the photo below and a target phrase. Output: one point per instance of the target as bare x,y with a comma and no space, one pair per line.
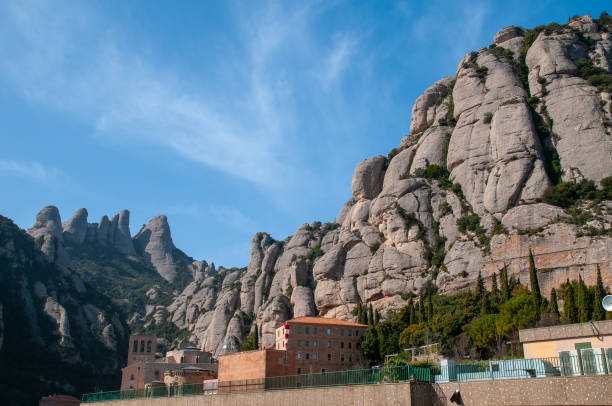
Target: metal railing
524,368
323,379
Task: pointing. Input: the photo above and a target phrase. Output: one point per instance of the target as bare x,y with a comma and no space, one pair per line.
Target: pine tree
554,306
535,285
582,301
505,288
570,312
370,316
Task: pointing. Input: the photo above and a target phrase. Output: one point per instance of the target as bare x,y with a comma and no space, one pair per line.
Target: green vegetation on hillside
479,323
33,363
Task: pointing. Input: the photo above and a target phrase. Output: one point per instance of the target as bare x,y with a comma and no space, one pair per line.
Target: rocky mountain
511,154
461,195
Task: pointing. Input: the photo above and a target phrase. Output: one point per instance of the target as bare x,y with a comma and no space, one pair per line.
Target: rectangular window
306,330
314,330
328,331
357,333
299,355
349,345
341,331
342,345
299,343
314,356
307,356
306,343
342,358
350,359
349,332
299,330
329,357
314,343
329,344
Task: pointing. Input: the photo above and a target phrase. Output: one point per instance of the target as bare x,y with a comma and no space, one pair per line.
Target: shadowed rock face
478,128
75,229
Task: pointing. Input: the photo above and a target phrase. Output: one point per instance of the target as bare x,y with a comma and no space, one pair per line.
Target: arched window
135,347
142,346
149,346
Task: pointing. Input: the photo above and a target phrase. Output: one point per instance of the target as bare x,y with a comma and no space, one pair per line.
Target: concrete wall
580,390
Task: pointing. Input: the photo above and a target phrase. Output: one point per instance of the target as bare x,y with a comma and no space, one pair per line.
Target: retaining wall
579,390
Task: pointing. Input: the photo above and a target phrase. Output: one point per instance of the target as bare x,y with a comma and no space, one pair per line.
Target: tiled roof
324,320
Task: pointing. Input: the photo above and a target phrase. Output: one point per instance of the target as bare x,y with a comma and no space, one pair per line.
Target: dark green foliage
534,283
595,75
392,153
362,317
488,117
554,305
370,344
480,71
251,342
449,120
570,311
505,286
471,223
33,362
494,288
604,22
371,315
567,194
583,301
374,247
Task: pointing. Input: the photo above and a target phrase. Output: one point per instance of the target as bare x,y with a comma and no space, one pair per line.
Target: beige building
545,342
145,367
321,344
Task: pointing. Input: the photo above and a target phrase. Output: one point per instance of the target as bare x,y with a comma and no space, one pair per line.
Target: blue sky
228,117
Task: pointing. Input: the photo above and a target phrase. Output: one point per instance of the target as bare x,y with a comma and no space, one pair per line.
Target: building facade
249,365
322,345
547,342
145,367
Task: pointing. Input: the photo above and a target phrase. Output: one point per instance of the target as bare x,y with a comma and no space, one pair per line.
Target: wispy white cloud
33,171
338,59
58,55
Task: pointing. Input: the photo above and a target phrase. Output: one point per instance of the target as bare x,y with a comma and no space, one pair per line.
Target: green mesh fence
338,378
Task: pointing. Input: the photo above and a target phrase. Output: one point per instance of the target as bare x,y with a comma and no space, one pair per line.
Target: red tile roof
324,320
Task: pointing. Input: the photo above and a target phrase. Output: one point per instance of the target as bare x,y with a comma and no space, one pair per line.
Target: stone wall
580,390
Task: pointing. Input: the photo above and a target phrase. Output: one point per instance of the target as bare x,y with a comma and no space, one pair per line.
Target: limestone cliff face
459,196
497,126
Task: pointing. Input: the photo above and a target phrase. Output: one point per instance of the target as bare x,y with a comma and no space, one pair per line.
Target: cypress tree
598,310
480,287
430,309
256,337
376,318
494,288
570,312
582,299
484,304
412,312
505,288
554,306
422,316
600,286
535,285
370,316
